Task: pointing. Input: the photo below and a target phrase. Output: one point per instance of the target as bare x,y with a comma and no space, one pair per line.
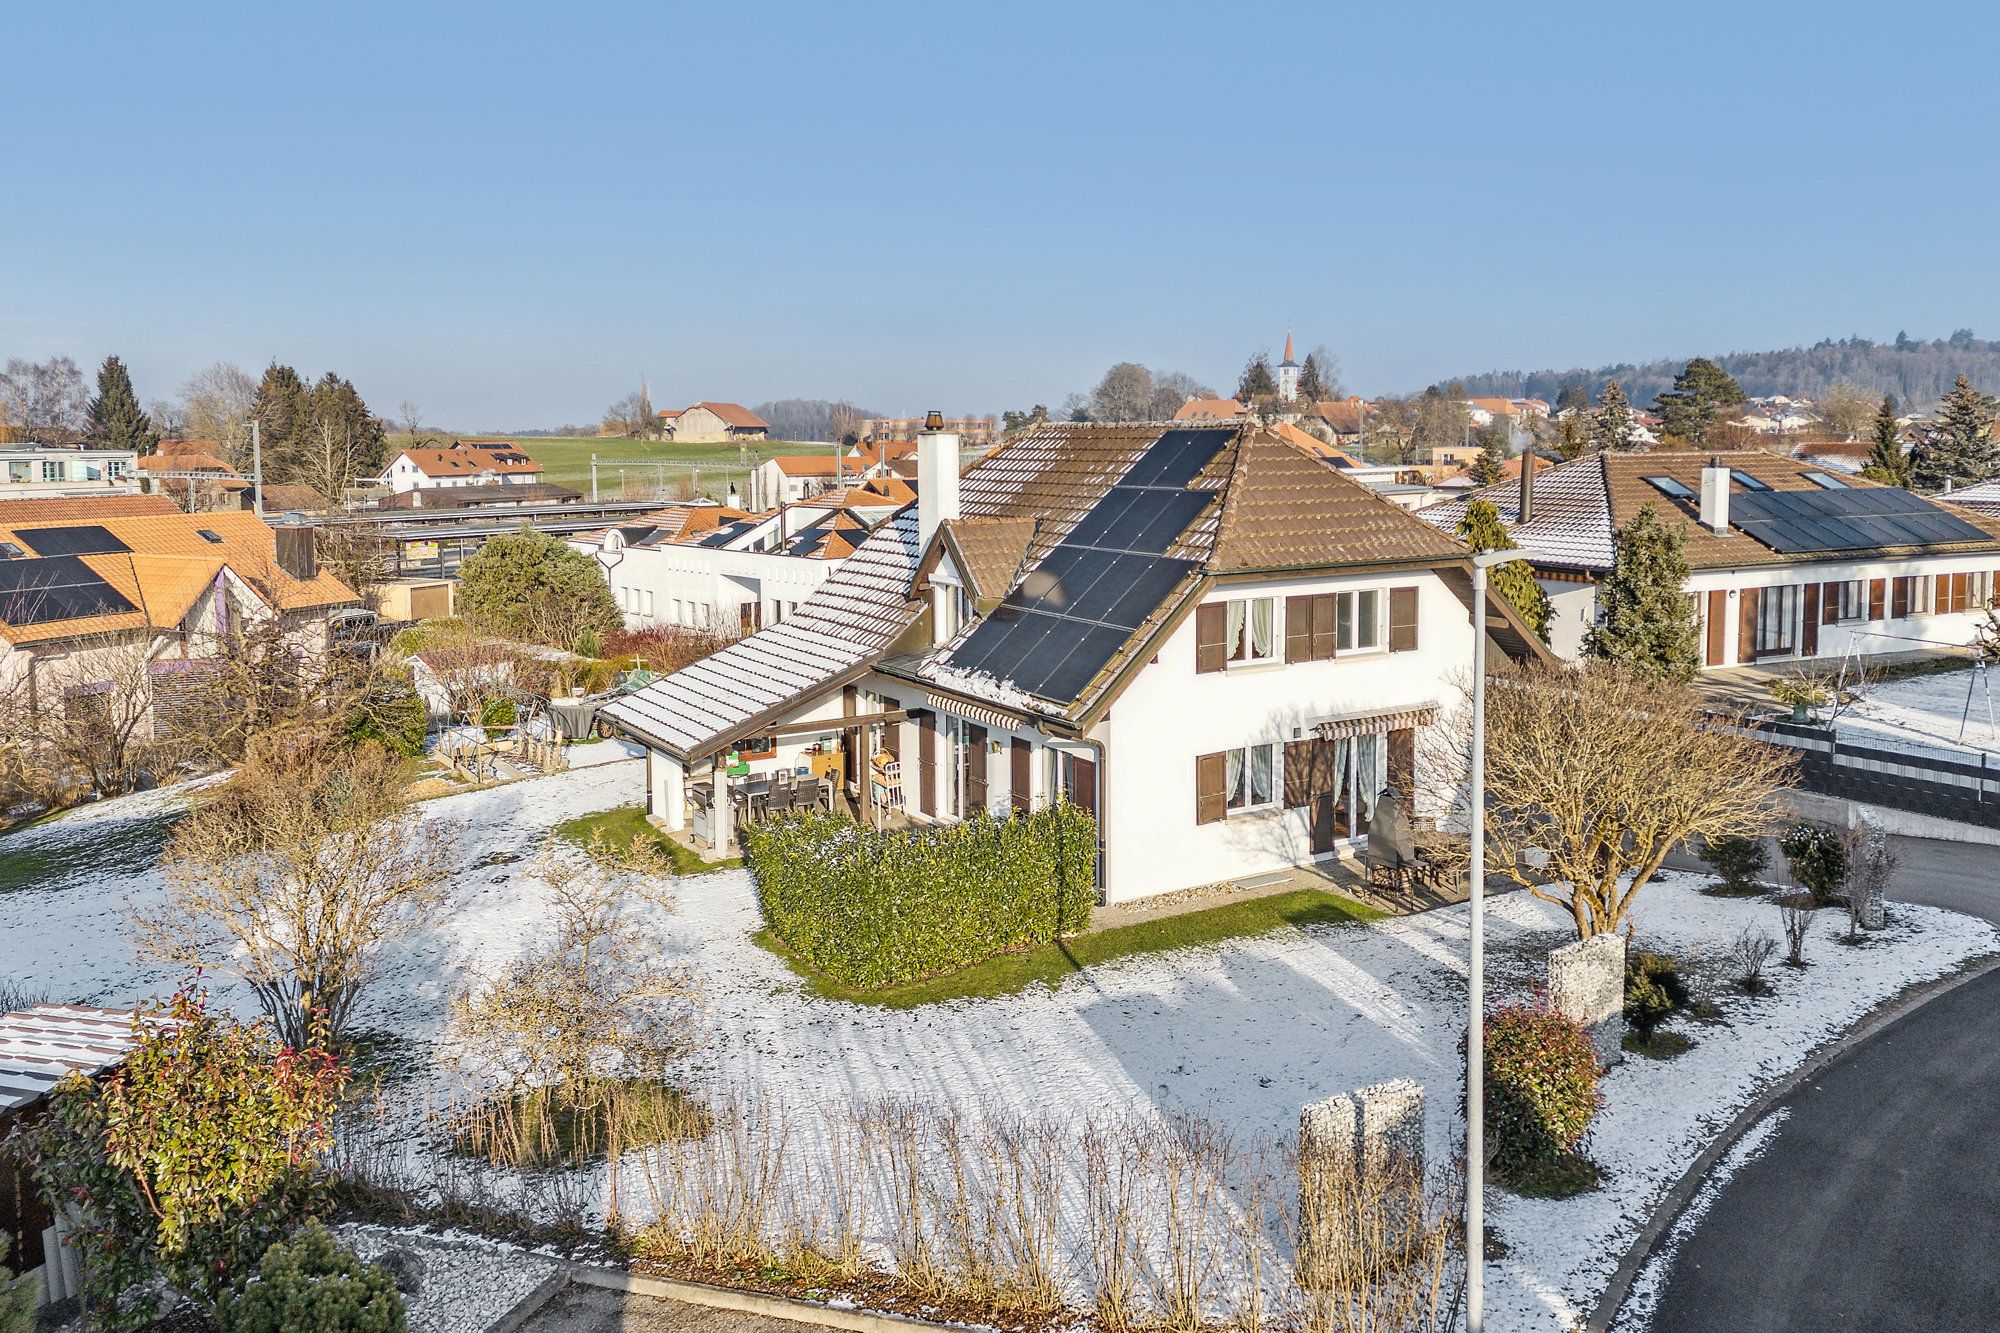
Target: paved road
580,1309
1962,876
1874,1205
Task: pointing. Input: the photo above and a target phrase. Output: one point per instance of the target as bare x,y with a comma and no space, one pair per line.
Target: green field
565,461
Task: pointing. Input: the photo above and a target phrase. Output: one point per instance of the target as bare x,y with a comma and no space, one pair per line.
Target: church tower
1288,373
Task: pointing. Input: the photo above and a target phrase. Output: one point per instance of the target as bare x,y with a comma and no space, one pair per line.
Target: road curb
752,1302
528,1305
1675,1201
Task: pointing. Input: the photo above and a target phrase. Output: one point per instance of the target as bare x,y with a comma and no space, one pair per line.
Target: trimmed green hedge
879,909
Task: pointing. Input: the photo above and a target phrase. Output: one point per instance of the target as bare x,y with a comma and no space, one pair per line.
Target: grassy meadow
565,461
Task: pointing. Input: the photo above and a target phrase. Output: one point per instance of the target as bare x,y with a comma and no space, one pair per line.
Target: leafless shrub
1395,1259
1117,1161
1748,955
1193,1159
1795,911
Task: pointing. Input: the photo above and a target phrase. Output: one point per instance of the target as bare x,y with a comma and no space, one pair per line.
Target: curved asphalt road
1876,1205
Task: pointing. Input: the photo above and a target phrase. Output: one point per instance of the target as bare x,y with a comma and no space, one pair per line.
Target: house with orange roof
193,474
98,600
789,478
1210,409
713,423
462,463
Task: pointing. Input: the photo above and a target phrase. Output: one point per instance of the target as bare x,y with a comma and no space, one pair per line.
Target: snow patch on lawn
1244,1033
1925,715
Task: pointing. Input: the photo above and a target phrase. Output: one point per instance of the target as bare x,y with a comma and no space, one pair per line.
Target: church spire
1288,348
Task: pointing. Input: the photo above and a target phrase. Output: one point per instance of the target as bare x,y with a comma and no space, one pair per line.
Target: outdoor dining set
758,798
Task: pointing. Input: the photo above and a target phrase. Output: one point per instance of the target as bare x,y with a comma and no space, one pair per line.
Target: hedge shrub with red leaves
1541,1088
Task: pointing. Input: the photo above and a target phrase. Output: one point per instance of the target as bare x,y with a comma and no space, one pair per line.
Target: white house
1218,644
1789,561
32,471
465,463
708,567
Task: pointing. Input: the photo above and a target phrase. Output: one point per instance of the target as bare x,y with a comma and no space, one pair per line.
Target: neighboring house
708,567
1218,644
29,470
973,432
194,475
1315,446
1788,561
789,478
1210,409
713,423
87,598
1346,417
485,463
1981,497
480,495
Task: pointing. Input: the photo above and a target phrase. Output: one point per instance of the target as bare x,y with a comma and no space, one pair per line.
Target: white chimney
937,478
1715,497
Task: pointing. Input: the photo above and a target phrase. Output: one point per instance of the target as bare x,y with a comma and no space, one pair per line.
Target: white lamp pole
1475,1041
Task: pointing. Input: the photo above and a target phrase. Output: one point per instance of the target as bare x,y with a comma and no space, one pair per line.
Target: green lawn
565,460
627,822
1048,964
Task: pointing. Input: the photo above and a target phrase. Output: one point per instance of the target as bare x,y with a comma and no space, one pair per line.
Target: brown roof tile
989,551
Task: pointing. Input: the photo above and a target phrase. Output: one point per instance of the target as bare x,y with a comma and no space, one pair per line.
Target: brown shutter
1211,637
1211,801
1958,592
1298,763
1809,636
1829,603
1083,785
1298,629
1878,599
1323,627
1718,624
1899,597
1746,624
1022,755
975,771
1403,620
927,739
1403,760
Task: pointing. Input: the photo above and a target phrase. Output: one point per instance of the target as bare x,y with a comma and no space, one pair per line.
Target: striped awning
1346,725
986,717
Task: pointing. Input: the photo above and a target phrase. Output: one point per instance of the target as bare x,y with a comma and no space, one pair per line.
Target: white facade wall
27,472
1170,714
705,588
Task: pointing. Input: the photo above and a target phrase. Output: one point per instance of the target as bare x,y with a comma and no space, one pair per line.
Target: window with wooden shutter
1878,599
1323,627
1899,597
1298,629
1211,636
1403,620
1746,624
1020,793
1809,635
1211,797
1718,624
1829,603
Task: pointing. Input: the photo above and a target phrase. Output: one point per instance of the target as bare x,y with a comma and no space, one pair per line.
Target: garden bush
1739,860
308,1284
1654,991
879,909
1817,856
1541,1091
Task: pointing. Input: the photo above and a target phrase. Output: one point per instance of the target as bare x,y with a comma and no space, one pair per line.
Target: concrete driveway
581,1309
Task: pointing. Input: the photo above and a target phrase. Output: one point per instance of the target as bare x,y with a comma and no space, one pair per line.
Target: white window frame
1853,604
1347,621
1242,760
1243,636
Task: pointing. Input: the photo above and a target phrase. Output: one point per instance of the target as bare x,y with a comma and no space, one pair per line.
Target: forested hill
1918,373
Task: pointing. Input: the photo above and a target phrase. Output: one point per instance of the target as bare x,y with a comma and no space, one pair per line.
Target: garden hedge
878,909
1541,1087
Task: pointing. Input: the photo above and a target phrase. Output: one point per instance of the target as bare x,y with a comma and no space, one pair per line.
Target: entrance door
975,771
1316,782
927,747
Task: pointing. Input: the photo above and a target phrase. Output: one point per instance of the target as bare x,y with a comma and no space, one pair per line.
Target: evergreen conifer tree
1482,530
115,419
1645,617
1312,383
1611,425
1258,382
1887,463
1959,447
1694,405
280,409
1491,464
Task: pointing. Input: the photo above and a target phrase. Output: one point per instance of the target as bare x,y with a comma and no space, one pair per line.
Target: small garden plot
1951,712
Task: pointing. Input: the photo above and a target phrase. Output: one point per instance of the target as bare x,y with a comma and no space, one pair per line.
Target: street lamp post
1475,1040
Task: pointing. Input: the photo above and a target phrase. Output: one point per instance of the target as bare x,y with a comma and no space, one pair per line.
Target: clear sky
508,213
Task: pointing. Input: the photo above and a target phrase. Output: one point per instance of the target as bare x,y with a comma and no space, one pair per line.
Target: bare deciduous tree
294,875
1848,410
216,404
1596,773
598,999
47,399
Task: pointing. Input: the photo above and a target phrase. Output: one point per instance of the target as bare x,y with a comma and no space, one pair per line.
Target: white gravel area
469,1283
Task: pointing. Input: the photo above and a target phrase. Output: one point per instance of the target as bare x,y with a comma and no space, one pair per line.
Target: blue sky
508,213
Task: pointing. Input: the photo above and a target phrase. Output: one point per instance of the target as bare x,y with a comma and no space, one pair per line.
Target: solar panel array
83,539
1061,624
1793,522
57,587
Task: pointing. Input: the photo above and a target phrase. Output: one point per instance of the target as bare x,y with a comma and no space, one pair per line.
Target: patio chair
808,793
782,799
1391,855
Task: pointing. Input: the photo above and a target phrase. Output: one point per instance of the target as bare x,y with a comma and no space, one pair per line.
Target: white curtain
1233,782
1339,769
1260,774
1371,771
1236,645
1263,615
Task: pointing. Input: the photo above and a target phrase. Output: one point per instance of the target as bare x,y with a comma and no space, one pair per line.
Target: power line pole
257,466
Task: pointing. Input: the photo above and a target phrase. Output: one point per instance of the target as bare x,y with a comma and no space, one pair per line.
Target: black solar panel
85,539
1059,626
59,587
1857,519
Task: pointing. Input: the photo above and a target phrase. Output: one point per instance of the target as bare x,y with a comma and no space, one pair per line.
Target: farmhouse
1211,639
1788,561
713,423
465,463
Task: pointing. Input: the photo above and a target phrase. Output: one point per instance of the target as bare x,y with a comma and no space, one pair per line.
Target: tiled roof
473,494
190,445
81,509
168,564
1314,445
1578,506
735,414
466,462
40,1046
1210,409
989,551
1286,510
1343,414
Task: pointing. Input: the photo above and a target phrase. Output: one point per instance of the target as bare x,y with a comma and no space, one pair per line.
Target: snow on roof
42,1045
1571,524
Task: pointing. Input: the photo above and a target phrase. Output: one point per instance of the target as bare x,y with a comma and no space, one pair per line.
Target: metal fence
1966,790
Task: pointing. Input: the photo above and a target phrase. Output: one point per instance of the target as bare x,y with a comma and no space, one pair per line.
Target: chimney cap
934,420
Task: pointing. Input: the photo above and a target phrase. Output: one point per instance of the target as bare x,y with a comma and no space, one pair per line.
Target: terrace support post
666,778
722,812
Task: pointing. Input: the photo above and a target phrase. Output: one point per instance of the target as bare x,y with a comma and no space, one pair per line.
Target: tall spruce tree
1887,463
279,409
1482,530
1694,405
1490,465
1258,383
1312,382
1645,617
1611,425
1959,448
115,419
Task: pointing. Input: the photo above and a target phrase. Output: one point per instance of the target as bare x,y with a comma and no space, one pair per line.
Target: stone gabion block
1587,983
1357,1154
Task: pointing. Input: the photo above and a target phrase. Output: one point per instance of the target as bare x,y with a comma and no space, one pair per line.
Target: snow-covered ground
1954,713
1244,1033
